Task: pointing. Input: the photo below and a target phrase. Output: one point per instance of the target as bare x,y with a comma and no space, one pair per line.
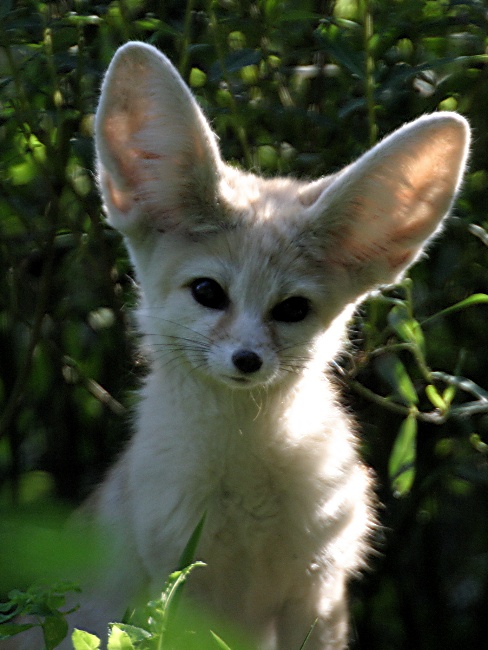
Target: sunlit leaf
347,9
135,633
219,643
119,639
407,328
479,444
449,394
198,78
434,397
84,640
401,465
475,299
394,373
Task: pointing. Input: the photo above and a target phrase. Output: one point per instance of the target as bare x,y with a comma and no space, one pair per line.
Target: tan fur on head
159,163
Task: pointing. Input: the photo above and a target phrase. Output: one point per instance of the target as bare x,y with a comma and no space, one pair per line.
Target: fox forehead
257,261
255,198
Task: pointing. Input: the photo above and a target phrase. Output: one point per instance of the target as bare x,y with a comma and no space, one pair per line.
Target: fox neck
209,419
197,390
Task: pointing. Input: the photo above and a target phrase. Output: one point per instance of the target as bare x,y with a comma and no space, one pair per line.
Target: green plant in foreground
43,606
160,624
165,623
154,626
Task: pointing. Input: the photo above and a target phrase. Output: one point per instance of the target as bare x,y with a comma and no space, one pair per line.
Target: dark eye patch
209,293
291,310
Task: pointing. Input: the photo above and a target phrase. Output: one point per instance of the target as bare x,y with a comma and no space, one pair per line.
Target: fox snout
247,361
242,364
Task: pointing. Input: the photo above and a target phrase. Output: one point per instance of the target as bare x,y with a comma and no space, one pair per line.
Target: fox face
241,277
244,306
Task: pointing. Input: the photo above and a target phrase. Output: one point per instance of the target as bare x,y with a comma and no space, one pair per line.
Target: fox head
242,277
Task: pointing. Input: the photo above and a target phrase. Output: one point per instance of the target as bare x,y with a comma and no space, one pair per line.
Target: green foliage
161,624
156,627
43,606
291,87
401,466
37,546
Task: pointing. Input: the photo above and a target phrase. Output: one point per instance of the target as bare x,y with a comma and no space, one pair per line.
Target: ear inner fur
380,211
156,153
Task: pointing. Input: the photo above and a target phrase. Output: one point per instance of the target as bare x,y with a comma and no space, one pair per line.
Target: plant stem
238,128
18,389
186,39
369,72
433,416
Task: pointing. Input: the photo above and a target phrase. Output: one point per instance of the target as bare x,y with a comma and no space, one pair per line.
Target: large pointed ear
157,156
377,215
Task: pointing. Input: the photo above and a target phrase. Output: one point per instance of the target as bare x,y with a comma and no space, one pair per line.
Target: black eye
209,293
291,310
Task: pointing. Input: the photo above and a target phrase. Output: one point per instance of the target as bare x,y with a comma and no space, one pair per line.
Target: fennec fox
246,288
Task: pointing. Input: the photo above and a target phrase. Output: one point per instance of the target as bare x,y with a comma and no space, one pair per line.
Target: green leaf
84,640
10,629
479,181
234,62
408,329
198,78
55,628
448,395
401,466
83,21
119,639
475,299
273,9
189,551
309,634
220,643
38,548
135,633
478,443
174,584
434,397
10,612
396,376
347,9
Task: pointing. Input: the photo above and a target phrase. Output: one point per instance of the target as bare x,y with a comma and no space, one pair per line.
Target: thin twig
18,389
464,384
434,417
184,57
369,72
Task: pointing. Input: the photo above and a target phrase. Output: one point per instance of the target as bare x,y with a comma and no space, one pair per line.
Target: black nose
247,361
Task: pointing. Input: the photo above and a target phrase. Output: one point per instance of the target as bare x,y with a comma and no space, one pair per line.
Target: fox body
246,288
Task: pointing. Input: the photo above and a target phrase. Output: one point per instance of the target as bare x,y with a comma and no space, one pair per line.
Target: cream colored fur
266,452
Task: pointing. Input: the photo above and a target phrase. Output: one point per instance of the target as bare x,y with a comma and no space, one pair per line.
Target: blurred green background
291,87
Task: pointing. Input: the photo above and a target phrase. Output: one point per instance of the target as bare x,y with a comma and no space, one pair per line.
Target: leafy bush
43,605
154,626
291,87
